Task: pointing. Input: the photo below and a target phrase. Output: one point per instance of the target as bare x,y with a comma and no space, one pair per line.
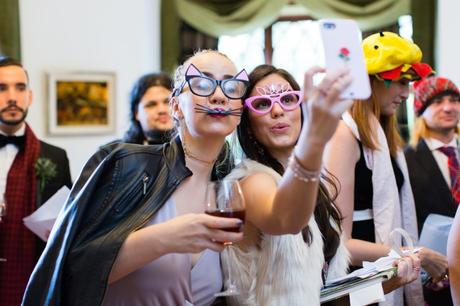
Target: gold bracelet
300,172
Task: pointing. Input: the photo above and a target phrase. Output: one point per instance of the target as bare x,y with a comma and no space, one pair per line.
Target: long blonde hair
421,130
362,111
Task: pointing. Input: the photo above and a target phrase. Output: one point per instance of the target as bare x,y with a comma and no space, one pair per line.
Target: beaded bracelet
300,172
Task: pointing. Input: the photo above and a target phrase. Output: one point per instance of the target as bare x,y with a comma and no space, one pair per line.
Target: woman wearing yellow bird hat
365,154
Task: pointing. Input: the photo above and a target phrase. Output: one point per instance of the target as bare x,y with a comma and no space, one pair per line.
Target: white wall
119,36
448,42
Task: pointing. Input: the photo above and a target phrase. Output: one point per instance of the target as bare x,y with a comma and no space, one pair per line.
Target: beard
15,121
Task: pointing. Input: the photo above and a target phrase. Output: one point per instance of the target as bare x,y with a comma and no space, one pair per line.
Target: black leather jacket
119,190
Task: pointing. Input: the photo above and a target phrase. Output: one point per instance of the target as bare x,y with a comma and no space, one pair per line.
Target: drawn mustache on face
203,109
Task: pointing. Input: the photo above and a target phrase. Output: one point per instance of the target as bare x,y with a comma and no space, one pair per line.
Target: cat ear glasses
204,86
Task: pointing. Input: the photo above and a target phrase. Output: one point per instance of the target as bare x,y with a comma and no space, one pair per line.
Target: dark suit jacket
431,192
432,195
59,157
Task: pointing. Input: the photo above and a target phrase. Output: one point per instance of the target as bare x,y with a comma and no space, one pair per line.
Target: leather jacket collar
118,191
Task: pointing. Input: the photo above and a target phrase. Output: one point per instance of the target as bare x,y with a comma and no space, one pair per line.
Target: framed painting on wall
81,103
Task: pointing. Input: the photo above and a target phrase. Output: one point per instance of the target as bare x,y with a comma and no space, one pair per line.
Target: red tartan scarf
17,243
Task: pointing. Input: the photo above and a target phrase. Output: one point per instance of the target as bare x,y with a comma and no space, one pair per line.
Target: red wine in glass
230,213
225,199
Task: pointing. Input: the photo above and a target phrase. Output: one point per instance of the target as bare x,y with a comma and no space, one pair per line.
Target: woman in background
365,155
290,269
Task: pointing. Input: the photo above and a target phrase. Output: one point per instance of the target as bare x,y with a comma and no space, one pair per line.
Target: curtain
370,14
170,25
231,17
212,18
178,39
191,40
424,27
10,44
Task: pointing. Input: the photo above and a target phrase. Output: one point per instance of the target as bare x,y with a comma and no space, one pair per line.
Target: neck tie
454,169
18,141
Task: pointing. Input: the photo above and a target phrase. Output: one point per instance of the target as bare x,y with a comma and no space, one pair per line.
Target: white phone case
342,47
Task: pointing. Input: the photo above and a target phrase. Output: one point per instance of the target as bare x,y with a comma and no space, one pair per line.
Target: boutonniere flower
45,170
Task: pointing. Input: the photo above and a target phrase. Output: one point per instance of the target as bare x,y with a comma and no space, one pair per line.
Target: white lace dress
284,270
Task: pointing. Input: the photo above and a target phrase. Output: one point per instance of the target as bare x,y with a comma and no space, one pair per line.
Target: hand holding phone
342,48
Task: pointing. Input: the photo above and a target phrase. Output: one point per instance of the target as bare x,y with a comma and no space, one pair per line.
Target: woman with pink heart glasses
281,152
282,149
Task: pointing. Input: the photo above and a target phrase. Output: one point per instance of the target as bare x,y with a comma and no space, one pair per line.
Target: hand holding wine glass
225,199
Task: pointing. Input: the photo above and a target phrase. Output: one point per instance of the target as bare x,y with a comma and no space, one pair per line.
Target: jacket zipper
145,180
137,189
148,217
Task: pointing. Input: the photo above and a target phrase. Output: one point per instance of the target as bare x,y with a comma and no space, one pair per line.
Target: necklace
194,157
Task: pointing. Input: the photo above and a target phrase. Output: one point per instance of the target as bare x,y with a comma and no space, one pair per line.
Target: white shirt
7,155
441,158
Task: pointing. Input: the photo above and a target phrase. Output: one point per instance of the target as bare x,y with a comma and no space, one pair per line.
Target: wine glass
2,214
224,198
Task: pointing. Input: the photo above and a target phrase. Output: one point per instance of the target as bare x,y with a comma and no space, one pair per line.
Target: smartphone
342,48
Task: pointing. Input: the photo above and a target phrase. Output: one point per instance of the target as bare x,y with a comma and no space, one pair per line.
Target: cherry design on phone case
344,54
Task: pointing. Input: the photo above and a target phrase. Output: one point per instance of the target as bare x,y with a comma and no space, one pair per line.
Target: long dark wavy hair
325,208
135,133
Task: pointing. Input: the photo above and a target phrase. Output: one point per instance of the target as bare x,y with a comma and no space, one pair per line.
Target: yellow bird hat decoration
389,57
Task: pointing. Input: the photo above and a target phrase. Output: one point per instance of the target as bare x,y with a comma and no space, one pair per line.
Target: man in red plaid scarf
31,171
433,157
